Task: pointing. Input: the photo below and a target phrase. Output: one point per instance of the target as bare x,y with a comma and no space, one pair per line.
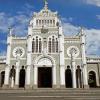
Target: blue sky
73,13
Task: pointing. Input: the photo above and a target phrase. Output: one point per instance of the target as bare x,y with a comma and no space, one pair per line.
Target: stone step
51,94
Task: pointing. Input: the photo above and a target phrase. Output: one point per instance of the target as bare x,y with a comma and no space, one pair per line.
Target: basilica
46,58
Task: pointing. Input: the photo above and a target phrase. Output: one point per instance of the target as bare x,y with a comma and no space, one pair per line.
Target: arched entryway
44,77
22,78
78,77
44,72
68,77
2,77
92,79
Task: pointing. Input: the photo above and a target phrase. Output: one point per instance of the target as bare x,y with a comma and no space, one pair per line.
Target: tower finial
10,30
46,4
82,30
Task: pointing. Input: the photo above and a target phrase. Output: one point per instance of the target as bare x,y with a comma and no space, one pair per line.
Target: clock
18,52
73,50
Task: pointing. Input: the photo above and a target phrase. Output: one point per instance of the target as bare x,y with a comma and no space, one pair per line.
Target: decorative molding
20,58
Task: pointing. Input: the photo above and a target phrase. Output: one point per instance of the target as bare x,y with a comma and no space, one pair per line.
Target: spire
10,31
46,4
82,31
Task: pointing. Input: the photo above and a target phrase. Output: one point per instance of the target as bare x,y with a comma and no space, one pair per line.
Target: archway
2,77
44,77
78,77
45,72
22,78
92,79
68,77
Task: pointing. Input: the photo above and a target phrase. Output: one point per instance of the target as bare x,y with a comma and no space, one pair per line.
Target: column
84,63
17,74
35,76
28,74
6,81
7,69
61,58
73,70
29,65
62,76
54,76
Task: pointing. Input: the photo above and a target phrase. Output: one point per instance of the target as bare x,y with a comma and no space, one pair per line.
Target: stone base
16,87
54,86
28,87
35,87
5,87
86,86
62,86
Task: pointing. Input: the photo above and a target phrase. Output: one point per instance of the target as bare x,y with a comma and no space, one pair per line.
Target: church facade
46,58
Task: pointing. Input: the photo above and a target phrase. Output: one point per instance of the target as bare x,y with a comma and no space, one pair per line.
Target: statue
12,76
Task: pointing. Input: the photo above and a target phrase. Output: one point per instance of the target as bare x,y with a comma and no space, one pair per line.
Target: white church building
46,58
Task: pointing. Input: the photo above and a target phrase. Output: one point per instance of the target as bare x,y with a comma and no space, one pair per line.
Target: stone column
54,76
73,70
61,58
7,69
35,76
84,63
29,51
17,74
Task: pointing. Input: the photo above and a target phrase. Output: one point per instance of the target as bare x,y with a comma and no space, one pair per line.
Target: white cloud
92,37
93,2
93,41
70,29
19,22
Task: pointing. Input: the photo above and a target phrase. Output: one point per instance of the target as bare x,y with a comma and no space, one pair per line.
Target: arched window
79,77
56,45
36,22
33,46
92,79
49,48
68,77
53,22
53,45
40,46
37,45
2,78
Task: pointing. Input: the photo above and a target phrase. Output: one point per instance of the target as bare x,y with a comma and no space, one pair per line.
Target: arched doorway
92,79
44,77
22,78
2,77
78,77
68,77
45,72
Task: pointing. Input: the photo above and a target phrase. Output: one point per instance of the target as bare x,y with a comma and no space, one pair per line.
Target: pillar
7,69
73,71
84,63
29,51
35,76
17,74
61,58
54,76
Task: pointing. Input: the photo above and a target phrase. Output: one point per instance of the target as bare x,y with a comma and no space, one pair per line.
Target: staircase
51,94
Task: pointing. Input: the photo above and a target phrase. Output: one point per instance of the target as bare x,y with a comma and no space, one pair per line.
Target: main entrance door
45,77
